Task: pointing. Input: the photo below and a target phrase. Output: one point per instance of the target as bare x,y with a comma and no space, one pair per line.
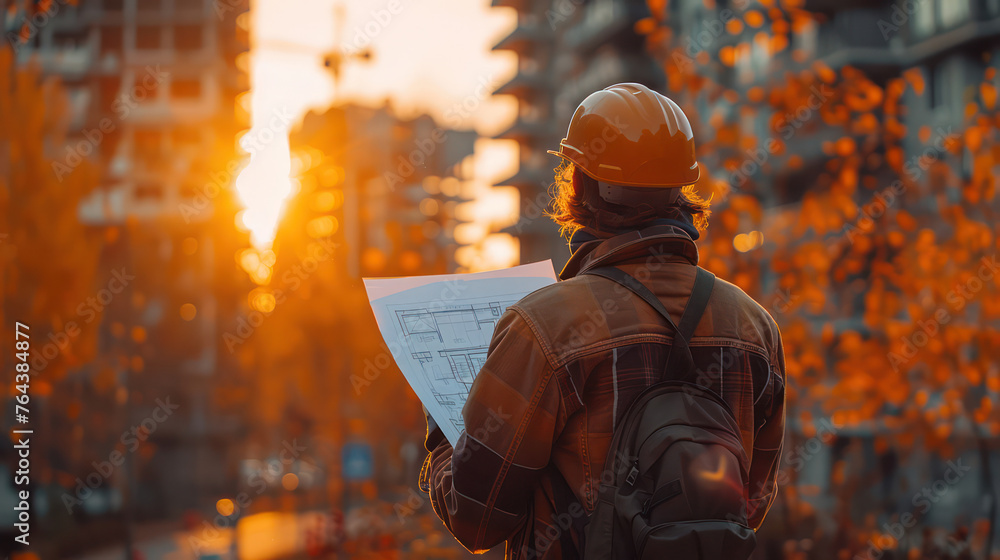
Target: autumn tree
878,258
49,258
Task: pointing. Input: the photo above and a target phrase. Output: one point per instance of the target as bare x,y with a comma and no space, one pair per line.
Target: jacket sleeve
769,441
483,488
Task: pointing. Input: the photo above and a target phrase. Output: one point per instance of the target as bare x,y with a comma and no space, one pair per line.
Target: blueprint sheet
438,329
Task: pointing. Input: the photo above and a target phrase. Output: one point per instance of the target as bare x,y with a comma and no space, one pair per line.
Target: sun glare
263,187
288,79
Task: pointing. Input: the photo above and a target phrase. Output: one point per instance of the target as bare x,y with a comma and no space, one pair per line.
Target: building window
923,19
527,19
111,39
185,89
148,141
186,136
806,37
947,87
144,88
536,160
600,13
70,39
148,37
148,191
109,89
189,189
744,63
531,112
149,6
34,40
953,13
760,56
189,5
188,37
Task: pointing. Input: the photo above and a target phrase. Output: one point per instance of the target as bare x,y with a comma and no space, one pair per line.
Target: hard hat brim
614,180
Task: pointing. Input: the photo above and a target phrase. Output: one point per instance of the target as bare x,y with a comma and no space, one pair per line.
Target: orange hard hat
628,134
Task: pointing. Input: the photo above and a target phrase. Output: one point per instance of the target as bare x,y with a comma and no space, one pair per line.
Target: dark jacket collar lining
655,241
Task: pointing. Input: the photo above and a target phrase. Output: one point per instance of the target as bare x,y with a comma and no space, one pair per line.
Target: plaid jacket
564,365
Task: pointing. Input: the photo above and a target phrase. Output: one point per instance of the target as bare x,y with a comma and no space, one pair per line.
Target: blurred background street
192,190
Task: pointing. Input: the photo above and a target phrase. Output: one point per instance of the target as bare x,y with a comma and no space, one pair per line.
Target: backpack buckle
632,474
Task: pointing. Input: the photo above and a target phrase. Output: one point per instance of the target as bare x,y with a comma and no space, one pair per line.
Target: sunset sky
432,56
427,56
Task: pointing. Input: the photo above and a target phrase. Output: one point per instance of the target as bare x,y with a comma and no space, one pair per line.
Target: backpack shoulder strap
680,362
626,280
704,281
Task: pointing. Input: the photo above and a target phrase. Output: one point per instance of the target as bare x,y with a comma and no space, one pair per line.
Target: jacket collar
664,242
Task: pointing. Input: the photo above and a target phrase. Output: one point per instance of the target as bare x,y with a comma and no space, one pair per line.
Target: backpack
676,478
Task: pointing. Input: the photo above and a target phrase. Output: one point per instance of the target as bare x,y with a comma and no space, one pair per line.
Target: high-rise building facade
156,100
566,50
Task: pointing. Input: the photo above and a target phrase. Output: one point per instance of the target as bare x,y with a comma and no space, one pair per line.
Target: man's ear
577,185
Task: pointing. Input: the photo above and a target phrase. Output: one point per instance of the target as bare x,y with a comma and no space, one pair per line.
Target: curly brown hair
571,206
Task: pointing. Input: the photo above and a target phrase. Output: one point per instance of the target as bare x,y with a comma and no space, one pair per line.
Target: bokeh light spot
188,311
225,507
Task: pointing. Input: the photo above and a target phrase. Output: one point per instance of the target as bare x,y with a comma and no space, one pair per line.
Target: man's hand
434,438
434,434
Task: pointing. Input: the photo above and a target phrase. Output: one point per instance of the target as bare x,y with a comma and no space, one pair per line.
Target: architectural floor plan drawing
439,329
450,345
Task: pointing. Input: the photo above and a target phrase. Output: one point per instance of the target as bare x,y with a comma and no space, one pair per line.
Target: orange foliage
876,257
